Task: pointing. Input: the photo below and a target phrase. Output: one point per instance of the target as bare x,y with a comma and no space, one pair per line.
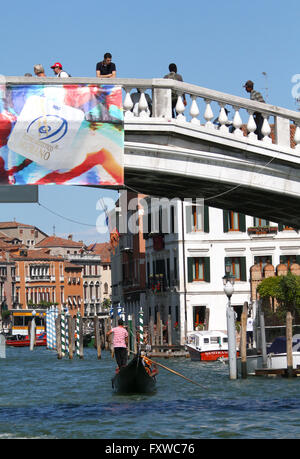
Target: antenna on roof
266,88
53,230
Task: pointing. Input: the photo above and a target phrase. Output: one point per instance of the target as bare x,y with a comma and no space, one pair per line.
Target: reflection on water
43,397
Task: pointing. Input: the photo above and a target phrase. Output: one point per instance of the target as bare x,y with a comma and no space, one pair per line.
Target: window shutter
207,269
206,219
225,221
188,218
242,221
190,269
243,269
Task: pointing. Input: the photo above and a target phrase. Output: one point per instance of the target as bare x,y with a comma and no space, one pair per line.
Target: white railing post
208,114
162,103
180,107
237,122
282,131
251,126
194,111
128,104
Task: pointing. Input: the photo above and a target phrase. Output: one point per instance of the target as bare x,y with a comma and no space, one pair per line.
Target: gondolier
120,342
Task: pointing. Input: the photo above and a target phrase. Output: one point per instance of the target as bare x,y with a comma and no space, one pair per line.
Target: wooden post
2,346
169,330
243,342
231,342
58,337
158,326
151,331
32,334
71,337
289,344
97,337
263,340
107,327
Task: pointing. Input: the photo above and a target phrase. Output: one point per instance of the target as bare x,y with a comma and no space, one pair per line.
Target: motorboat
207,345
276,357
24,341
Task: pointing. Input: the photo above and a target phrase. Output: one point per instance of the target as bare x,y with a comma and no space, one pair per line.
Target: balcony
158,283
262,230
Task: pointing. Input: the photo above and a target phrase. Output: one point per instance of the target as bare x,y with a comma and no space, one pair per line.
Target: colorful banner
68,135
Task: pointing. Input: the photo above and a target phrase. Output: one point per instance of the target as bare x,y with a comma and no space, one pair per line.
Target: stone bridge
210,149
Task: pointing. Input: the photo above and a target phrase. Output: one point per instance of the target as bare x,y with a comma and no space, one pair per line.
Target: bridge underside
258,203
228,173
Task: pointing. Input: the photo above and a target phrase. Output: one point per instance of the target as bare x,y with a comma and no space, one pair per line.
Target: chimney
70,237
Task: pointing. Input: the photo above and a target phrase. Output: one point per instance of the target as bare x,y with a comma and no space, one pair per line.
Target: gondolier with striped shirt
120,342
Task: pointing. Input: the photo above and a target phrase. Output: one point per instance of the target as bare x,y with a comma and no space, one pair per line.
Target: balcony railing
204,105
257,230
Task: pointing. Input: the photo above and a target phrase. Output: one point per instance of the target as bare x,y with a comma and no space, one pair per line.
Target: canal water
43,397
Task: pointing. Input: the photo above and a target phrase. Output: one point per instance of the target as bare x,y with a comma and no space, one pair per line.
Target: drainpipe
184,272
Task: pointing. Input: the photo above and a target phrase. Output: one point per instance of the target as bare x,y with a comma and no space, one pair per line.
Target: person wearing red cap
59,72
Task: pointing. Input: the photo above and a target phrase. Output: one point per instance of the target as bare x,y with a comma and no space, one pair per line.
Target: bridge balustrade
203,107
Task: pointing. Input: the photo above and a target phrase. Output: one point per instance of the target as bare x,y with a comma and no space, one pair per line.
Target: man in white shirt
59,72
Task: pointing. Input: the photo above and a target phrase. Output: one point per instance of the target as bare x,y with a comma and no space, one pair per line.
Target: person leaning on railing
173,75
258,118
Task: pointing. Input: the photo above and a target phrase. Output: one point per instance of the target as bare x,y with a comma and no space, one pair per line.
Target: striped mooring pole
63,333
141,325
78,334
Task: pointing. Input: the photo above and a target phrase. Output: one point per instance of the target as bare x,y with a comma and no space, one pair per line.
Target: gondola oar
174,372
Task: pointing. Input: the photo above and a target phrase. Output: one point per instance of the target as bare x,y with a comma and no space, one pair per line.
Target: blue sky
218,45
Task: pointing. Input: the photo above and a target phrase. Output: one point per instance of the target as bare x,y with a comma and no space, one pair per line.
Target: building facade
185,262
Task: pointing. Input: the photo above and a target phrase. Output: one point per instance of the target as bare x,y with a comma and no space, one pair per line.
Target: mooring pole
263,340
289,344
231,342
243,345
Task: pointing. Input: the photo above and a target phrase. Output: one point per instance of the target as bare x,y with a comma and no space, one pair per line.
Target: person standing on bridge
106,68
58,70
258,118
173,75
39,70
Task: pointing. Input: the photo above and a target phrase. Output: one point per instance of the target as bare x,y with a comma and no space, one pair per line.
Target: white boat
276,356
207,345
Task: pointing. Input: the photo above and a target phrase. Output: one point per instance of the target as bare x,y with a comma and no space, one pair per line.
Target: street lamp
228,282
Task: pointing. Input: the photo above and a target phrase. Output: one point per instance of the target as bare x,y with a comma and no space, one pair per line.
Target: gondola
136,377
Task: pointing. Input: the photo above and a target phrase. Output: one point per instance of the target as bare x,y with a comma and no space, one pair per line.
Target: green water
43,397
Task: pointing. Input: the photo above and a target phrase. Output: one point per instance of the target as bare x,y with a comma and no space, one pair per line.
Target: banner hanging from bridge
68,135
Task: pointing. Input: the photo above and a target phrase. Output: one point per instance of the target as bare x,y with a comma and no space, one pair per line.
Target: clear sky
217,45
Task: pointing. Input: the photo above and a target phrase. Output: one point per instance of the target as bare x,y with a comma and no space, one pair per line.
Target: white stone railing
199,111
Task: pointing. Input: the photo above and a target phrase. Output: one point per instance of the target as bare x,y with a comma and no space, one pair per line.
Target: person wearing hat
59,72
39,70
258,118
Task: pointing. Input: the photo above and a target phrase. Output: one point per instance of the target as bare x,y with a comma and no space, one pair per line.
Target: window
263,261
289,259
260,222
198,269
199,316
233,221
197,217
238,267
282,227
